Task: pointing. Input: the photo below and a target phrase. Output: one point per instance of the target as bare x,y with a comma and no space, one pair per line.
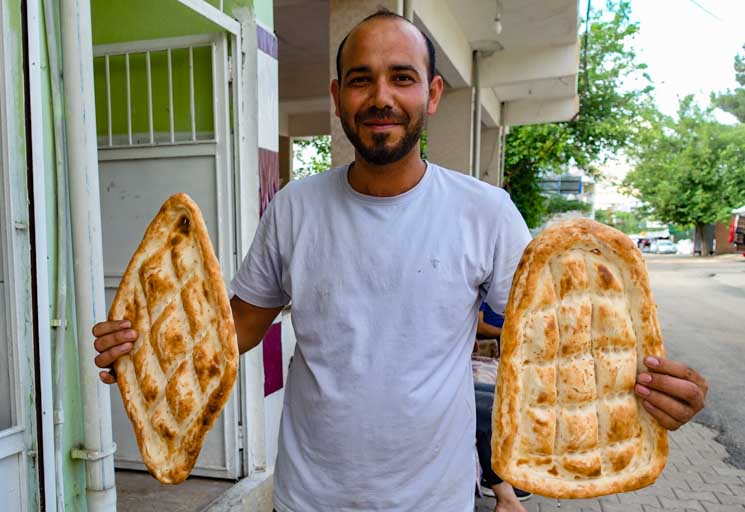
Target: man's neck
387,180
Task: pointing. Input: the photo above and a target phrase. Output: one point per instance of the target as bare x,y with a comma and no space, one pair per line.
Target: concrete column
343,16
490,153
449,131
285,160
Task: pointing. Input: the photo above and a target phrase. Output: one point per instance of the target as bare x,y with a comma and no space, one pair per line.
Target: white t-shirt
379,406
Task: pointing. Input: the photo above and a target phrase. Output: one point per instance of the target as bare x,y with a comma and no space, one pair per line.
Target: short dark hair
385,13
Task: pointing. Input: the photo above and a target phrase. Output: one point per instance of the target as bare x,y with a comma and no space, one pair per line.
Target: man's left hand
671,392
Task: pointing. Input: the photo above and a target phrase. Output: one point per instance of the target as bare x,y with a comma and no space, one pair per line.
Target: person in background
490,328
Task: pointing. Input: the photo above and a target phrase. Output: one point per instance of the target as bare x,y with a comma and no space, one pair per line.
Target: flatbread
181,370
579,320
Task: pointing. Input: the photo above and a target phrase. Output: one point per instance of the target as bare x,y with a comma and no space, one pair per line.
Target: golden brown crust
182,368
585,434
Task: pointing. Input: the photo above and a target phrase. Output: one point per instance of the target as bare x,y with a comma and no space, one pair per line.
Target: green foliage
313,155
558,204
634,221
733,101
609,113
423,145
690,171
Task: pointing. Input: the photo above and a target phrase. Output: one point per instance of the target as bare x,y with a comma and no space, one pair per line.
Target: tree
313,154
558,204
630,222
690,171
733,101
609,114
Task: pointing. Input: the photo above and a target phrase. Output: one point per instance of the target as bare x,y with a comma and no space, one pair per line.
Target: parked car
664,247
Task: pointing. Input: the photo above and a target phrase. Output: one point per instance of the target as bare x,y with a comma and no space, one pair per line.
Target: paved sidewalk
137,491
695,478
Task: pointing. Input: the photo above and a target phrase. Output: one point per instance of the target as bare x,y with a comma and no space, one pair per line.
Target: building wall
264,10
118,22
721,235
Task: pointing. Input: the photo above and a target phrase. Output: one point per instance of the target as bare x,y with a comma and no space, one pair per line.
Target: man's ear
335,94
435,93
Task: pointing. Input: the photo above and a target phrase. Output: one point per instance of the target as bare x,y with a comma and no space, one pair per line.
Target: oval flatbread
182,368
579,320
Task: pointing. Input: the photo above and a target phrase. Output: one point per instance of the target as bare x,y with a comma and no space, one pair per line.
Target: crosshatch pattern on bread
579,320
181,370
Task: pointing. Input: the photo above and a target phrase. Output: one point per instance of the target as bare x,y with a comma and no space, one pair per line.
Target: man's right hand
113,339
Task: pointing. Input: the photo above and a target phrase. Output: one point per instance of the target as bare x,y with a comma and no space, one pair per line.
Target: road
701,307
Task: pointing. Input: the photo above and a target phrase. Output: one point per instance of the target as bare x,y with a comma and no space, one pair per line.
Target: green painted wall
72,433
265,13
137,20
116,21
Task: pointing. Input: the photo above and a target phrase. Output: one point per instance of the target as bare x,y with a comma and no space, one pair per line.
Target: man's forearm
251,322
488,330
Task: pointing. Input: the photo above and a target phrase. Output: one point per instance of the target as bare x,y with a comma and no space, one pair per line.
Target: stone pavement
695,478
137,491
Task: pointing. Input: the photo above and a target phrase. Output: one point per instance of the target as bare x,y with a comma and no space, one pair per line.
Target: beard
380,152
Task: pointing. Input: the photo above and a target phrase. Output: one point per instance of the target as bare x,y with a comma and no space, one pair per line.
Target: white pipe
503,131
85,212
108,100
170,96
129,99
63,229
476,116
149,98
409,10
39,165
192,109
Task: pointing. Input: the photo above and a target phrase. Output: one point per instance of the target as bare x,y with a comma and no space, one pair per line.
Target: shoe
522,495
487,491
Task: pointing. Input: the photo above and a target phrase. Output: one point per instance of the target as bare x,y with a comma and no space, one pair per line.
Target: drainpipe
85,210
476,116
503,132
409,10
63,238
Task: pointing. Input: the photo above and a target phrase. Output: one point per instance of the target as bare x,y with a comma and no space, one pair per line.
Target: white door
166,108
18,469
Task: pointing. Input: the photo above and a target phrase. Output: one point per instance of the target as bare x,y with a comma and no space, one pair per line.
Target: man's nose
382,94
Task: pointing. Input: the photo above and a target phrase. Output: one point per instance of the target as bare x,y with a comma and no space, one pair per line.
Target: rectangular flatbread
579,321
181,370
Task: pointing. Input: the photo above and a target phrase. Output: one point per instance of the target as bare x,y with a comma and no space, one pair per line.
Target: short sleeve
259,278
512,236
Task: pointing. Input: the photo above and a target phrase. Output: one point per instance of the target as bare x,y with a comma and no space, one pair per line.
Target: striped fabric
268,177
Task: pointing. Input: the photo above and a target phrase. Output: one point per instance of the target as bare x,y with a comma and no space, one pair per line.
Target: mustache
381,114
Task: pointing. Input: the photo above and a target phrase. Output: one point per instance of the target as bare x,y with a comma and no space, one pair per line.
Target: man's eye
403,78
358,80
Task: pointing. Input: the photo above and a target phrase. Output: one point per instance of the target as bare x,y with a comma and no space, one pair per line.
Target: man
379,404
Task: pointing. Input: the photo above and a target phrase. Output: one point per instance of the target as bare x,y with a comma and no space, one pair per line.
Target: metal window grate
156,92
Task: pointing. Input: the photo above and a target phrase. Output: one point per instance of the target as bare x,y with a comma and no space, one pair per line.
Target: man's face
383,96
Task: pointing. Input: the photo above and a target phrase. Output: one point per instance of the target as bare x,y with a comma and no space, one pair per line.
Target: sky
689,46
